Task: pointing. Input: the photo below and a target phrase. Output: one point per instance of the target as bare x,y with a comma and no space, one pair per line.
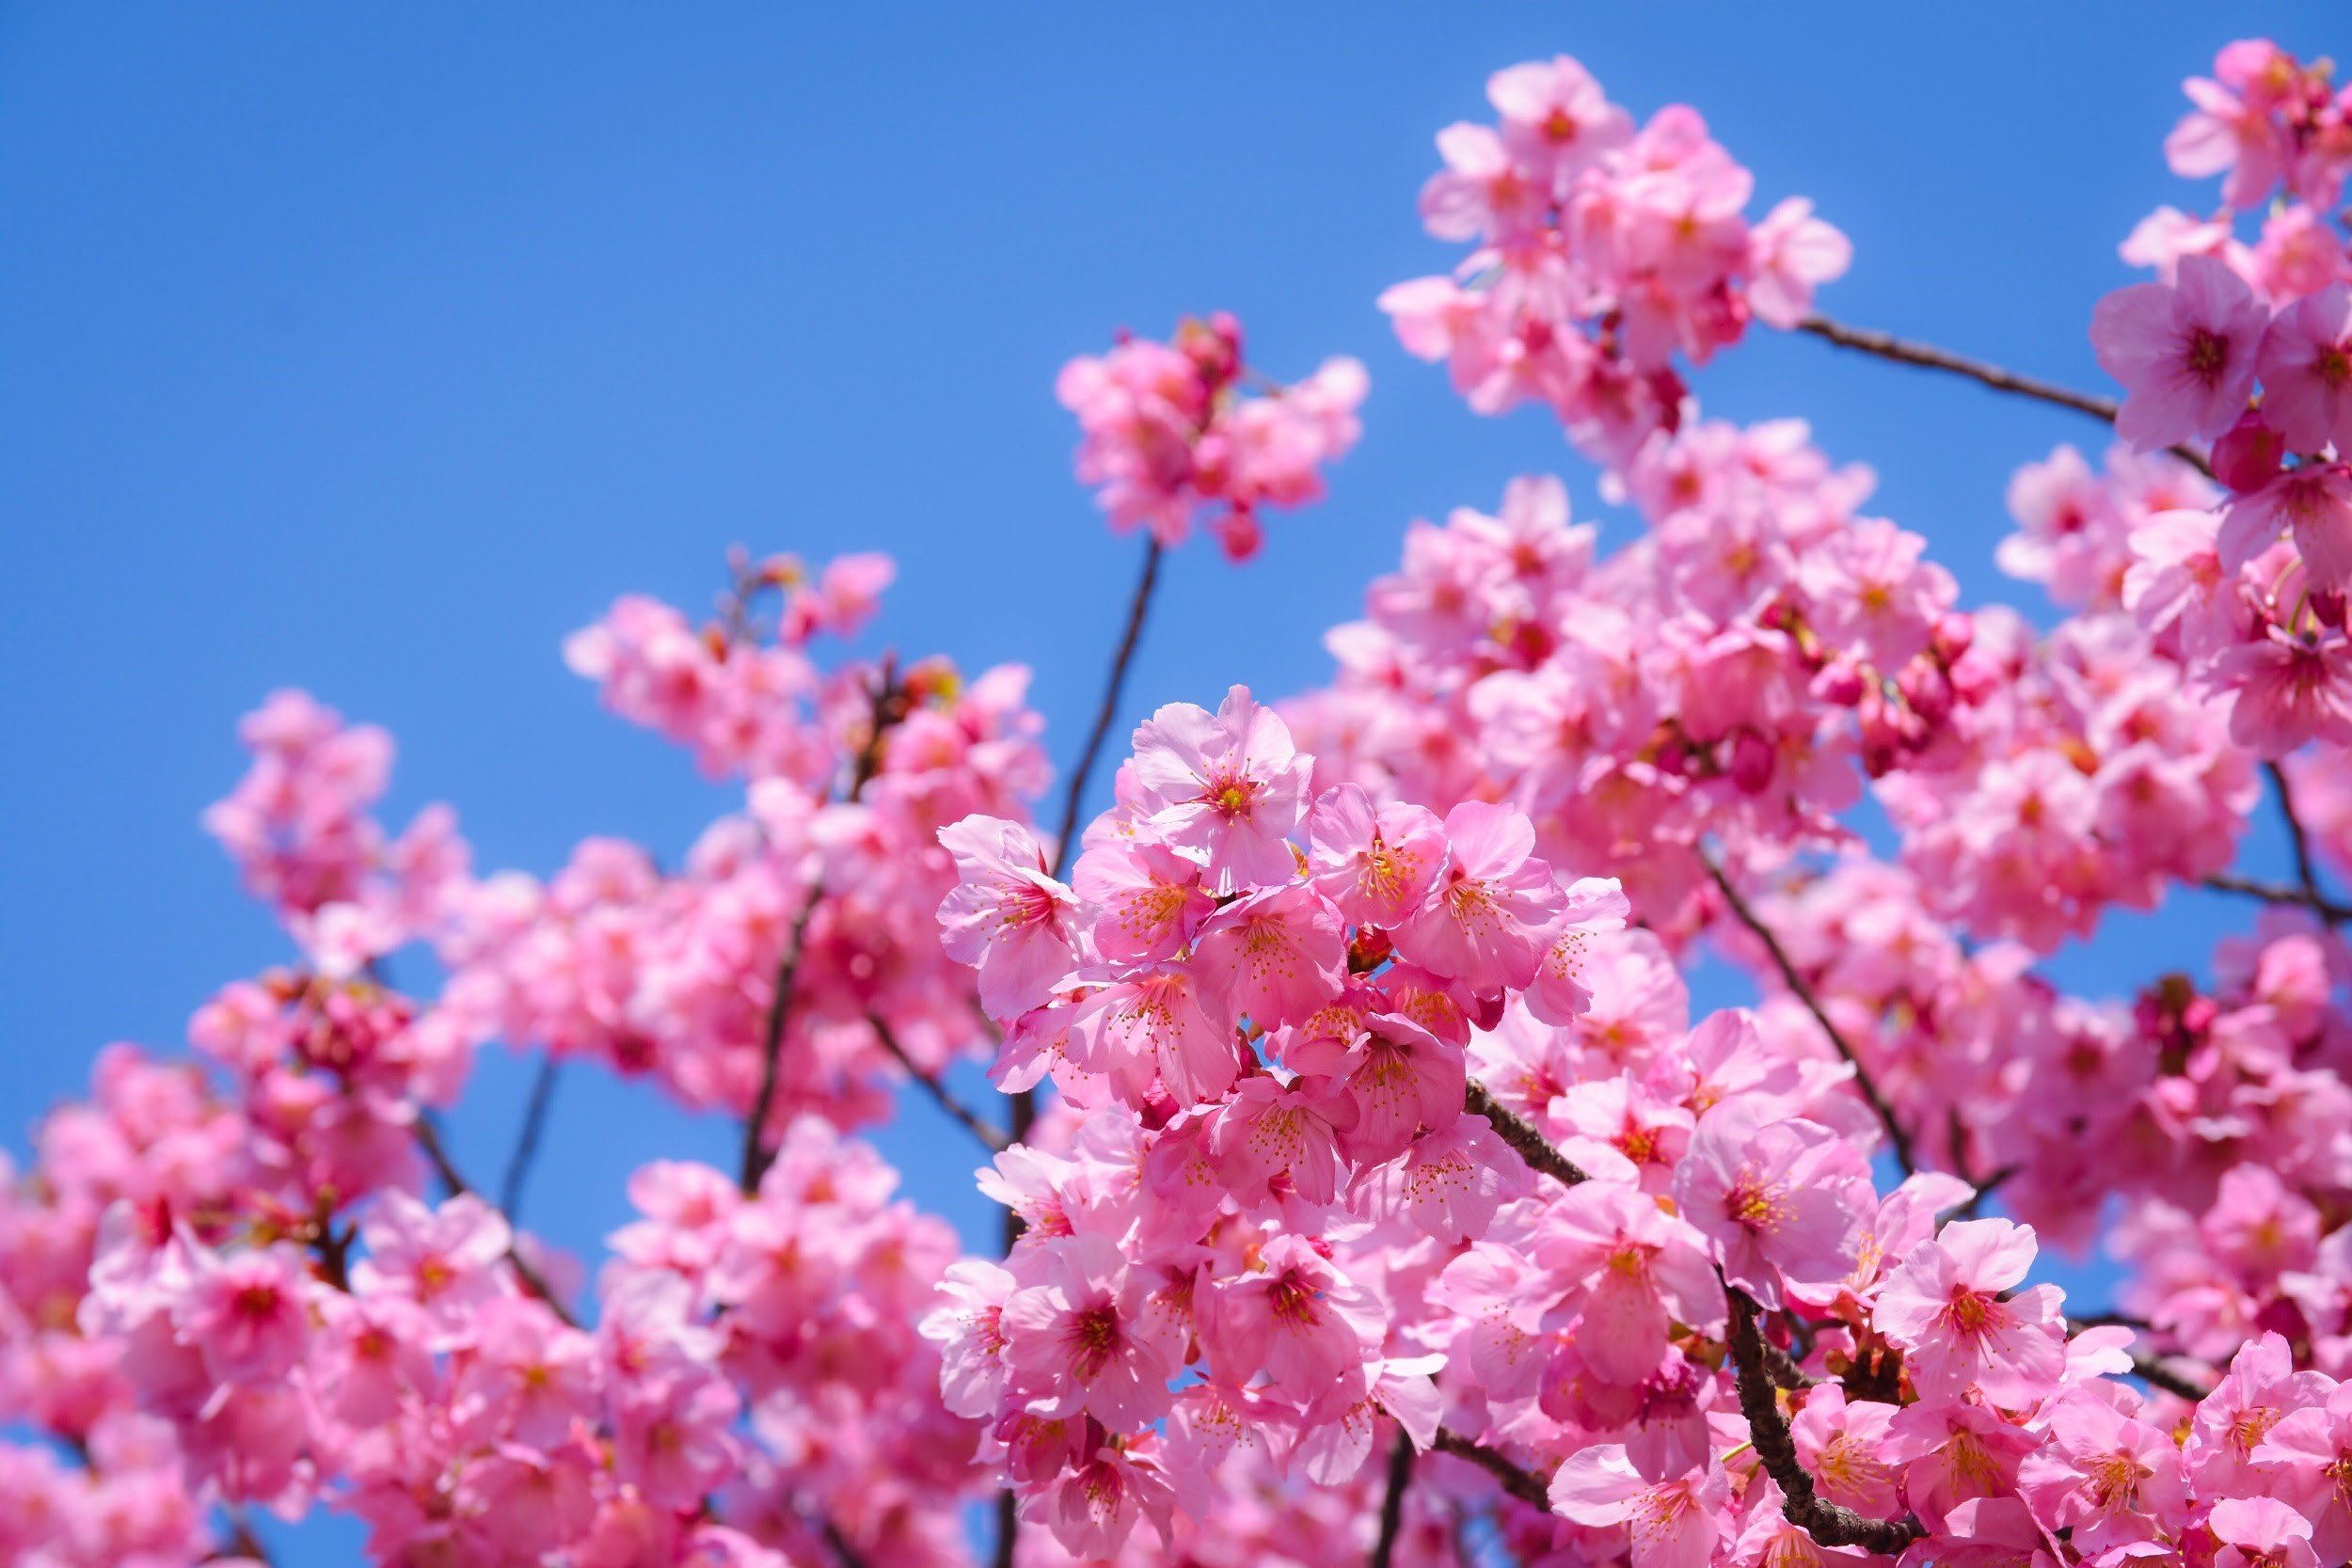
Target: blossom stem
1829,1524
429,1140
757,1156
1392,1501
990,1138
2273,892
1797,986
1521,1134
527,1141
1902,351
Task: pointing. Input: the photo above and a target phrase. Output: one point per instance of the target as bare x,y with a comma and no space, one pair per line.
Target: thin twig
2145,1367
841,1548
1522,1135
757,1156
990,1138
1020,1115
1392,1501
2306,874
2275,893
242,1541
1927,356
1073,796
1829,1524
429,1140
1803,993
527,1141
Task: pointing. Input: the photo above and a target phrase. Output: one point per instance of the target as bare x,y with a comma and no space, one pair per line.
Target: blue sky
373,349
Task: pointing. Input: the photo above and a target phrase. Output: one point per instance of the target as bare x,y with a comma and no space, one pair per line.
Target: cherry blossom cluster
2252,587
1601,252
1374,1118
1172,432
1733,673
1391,1201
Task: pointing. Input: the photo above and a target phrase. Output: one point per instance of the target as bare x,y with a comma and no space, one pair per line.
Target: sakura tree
1391,1203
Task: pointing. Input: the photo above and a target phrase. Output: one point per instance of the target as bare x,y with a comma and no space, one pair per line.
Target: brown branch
429,1140
527,1141
887,709
1007,1528
1521,1134
242,1542
1928,356
990,1138
1803,993
840,1546
1783,1367
2273,892
2145,1367
1074,795
1392,1501
2306,874
1829,1524
1522,1484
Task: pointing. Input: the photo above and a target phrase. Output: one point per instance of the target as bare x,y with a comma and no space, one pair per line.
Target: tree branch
429,1140
242,1541
2306,874
1828,1523
1927,356
1073,796
757,1156
1392,1501
1522,1484
1521,1134
1803,993
527,1141
2272,892
2145,1367
990,1138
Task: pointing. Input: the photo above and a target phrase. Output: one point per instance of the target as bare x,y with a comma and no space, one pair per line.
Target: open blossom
1630,1270
1486,921
2304,1457
247,1314
1781,1197
1375,865
1082,1327
1005,918
2185,352
2311,505
1276,955
1296,1315
1949,1306
1591,905
2307,372
1673,1523
1225,789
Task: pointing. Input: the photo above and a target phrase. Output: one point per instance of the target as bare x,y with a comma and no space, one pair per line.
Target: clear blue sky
373,349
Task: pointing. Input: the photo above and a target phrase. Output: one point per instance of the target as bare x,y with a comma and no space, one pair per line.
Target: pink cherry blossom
1007,918
2185,352
1948,1305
